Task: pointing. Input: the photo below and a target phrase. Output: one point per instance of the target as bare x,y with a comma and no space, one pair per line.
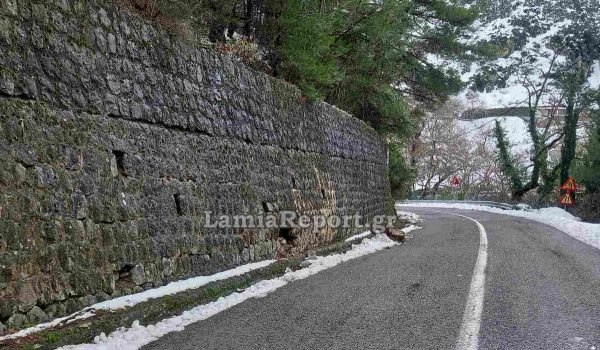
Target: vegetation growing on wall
366,57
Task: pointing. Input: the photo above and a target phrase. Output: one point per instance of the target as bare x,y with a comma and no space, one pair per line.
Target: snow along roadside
555,217
138,335
358,236
134,299
411,218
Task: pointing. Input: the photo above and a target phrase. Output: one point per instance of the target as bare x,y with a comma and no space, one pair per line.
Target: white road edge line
469,330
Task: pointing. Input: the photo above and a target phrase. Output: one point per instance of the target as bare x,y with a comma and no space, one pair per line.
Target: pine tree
365,57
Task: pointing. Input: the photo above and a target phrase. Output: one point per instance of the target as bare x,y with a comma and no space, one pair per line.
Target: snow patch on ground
358,236
79,315
178,287
410,217
134,299
410,228
555,217
138,335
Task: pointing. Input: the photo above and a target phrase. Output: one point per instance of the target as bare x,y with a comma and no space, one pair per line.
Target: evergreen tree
373,57
587,169
549,49
580,43
400,178
365,57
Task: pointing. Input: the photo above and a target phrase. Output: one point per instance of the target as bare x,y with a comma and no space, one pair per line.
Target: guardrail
504,206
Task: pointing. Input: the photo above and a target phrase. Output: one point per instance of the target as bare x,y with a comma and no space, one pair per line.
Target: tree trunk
570,142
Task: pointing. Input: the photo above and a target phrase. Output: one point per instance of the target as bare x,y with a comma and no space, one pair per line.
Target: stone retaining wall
116,137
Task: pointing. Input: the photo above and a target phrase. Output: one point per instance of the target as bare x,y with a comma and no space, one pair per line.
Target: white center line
469,330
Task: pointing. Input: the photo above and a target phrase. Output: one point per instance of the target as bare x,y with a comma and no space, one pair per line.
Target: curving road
541,290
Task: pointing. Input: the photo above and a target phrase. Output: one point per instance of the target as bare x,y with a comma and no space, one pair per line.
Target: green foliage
549,184
52,337
401,174
306,47
394,113
572,80
587,170
365,57
490,77
349,53
509,165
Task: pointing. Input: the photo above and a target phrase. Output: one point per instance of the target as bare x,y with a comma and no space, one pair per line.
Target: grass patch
148,312
152,311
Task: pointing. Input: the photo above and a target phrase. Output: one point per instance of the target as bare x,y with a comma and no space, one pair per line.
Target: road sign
455,181
569,185
567,199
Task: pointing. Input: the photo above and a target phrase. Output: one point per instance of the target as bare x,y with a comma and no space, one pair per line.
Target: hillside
531,38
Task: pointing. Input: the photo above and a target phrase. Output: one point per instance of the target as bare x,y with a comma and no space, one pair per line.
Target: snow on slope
517,132
594,79
515,94
525,29
554,217
515,127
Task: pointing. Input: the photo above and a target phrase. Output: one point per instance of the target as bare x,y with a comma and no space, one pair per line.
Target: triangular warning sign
567,199
569,185
455,181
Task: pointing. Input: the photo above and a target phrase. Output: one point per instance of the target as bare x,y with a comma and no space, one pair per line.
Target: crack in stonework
243,140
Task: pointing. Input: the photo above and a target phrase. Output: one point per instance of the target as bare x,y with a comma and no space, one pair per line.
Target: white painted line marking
469,330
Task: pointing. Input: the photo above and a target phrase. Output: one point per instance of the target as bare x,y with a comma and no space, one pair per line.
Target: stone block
36,315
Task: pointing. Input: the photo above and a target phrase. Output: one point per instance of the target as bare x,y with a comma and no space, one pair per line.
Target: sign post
456,184
570,185
567,199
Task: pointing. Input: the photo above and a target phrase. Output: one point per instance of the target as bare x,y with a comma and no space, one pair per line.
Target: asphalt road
542,291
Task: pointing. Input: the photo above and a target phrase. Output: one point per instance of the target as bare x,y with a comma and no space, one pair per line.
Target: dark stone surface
116,137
